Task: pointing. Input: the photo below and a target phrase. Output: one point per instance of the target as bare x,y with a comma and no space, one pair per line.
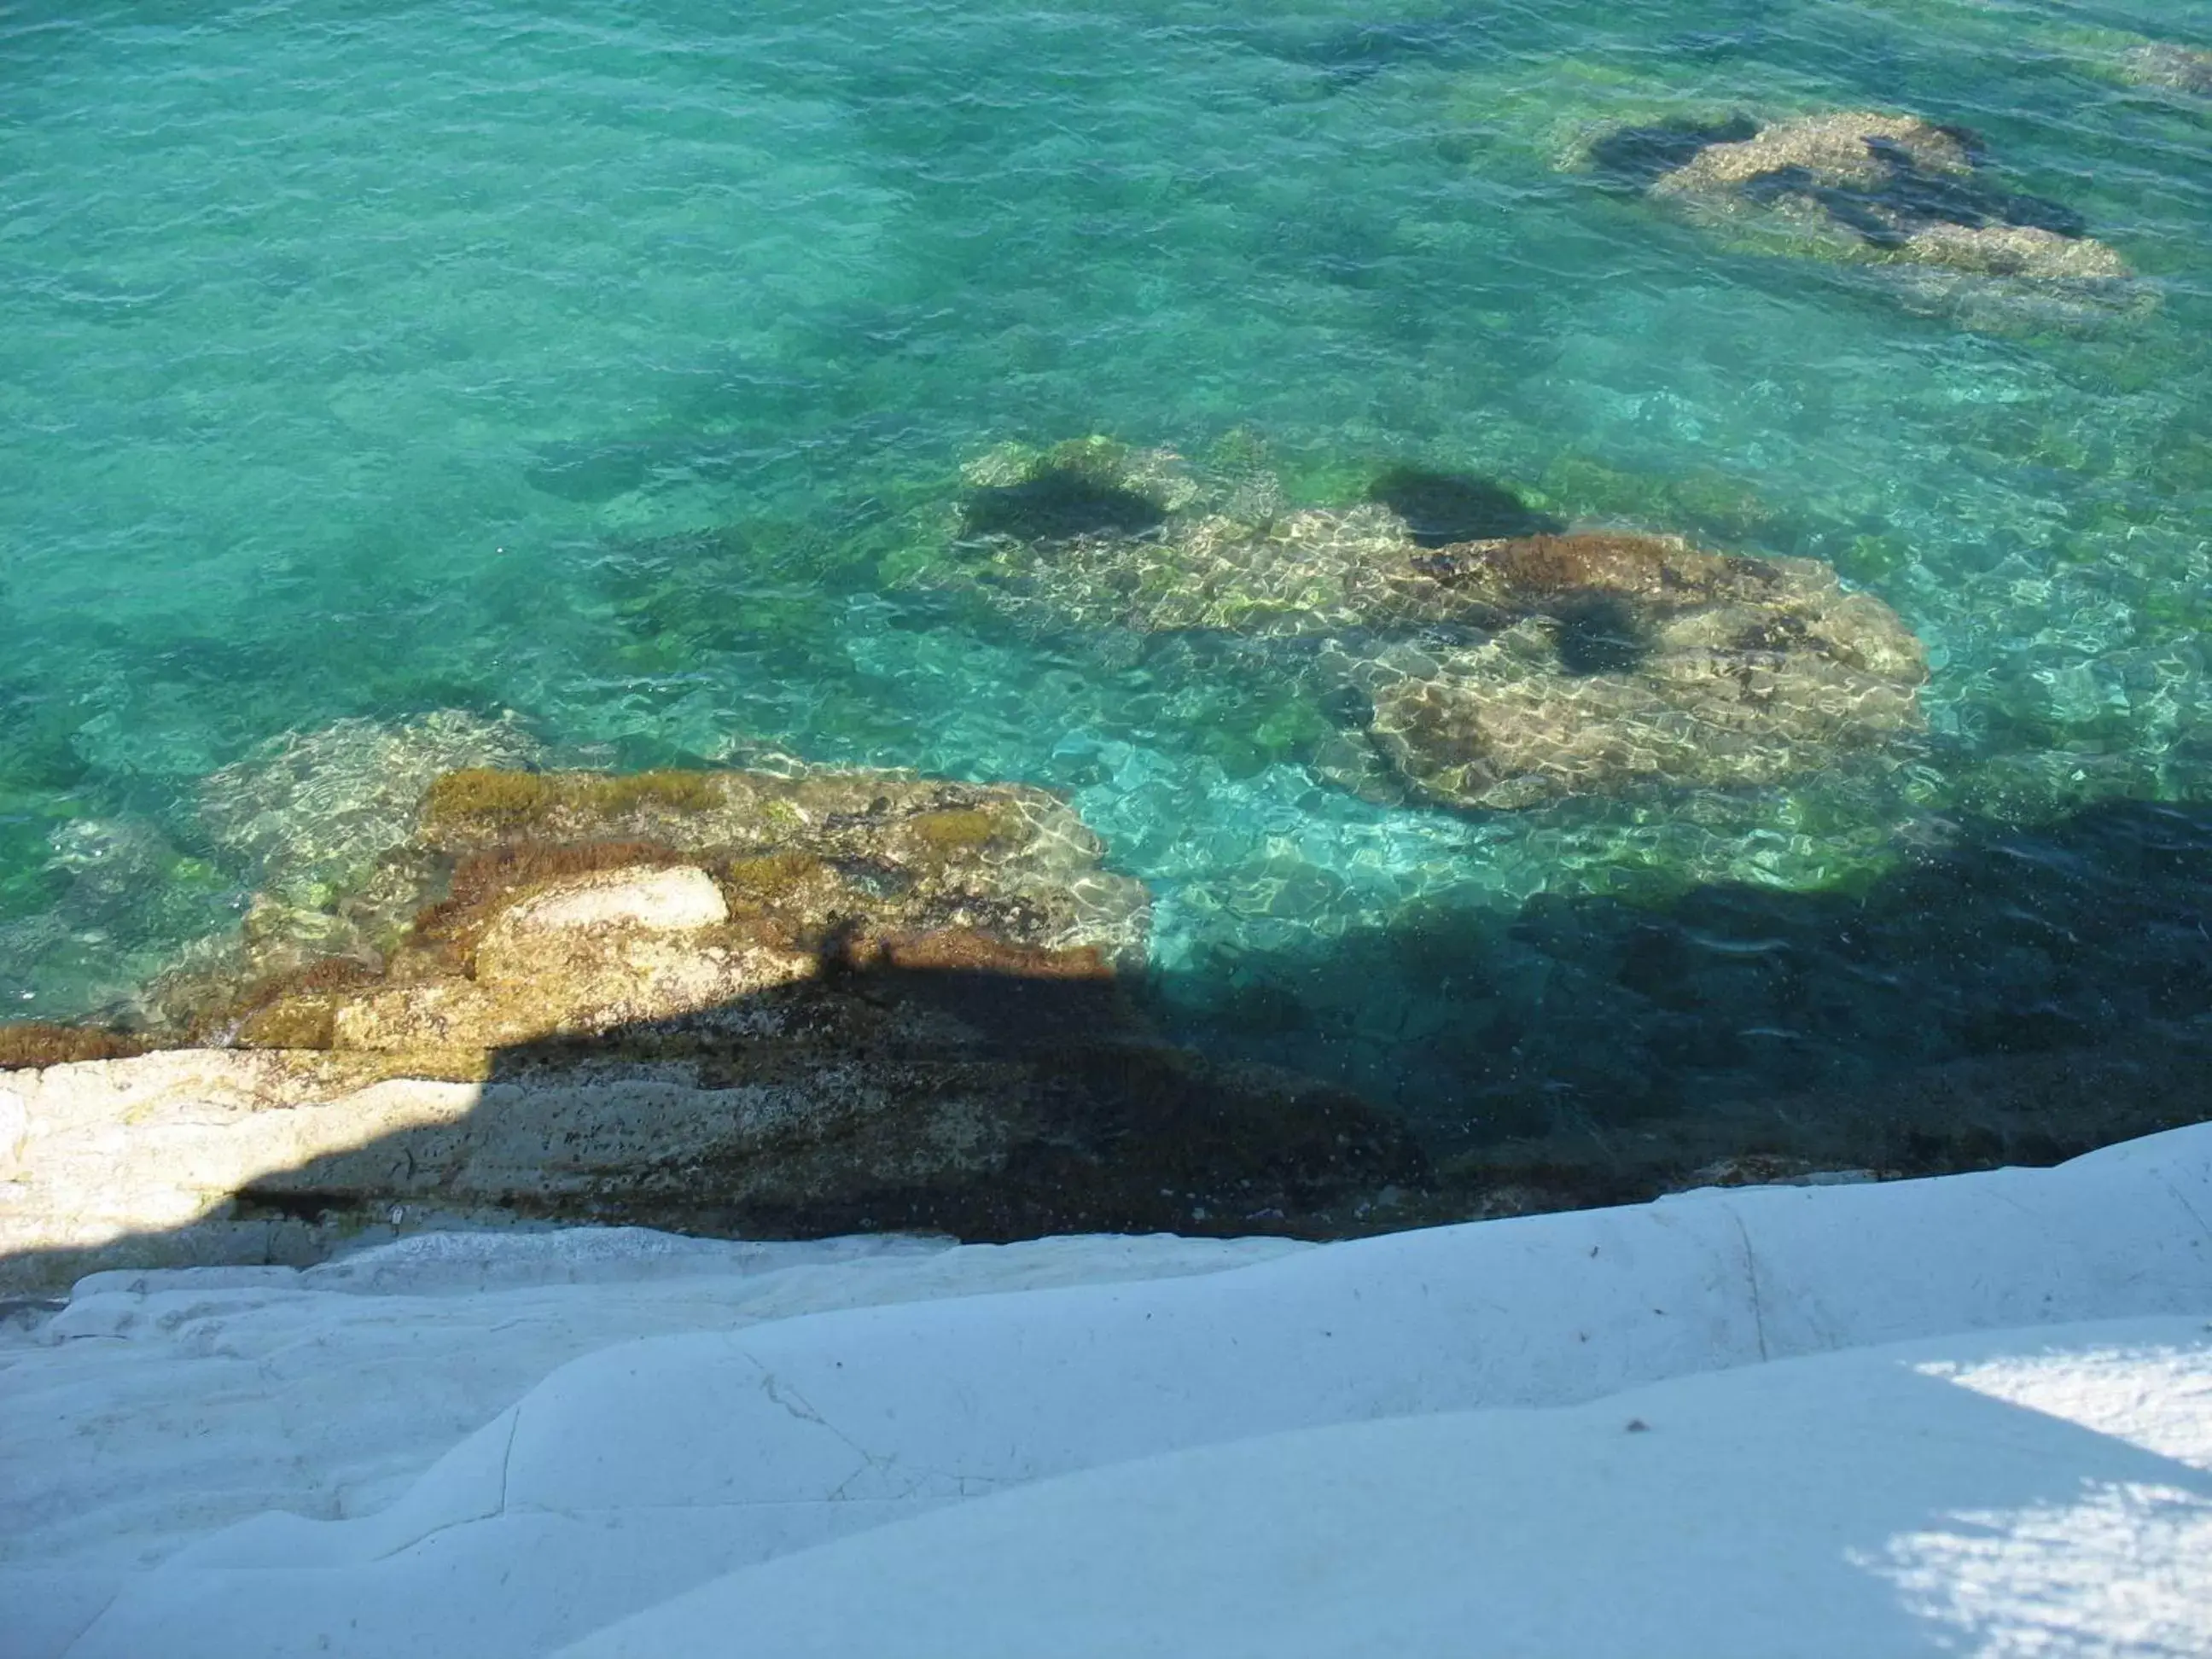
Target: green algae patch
1580,487
291,1024
481,798
767,879
667,791
956,829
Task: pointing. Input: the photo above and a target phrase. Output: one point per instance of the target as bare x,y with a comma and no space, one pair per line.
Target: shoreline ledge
730,1003
770,1005
1976,1405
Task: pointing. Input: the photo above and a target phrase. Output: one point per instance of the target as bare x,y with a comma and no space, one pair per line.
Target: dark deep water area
591,385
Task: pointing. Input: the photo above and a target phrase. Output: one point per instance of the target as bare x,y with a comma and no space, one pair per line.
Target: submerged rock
1085,486
719,1002
1513,669
320,821
1634,660
1890,190
2175,68
561,904
313,810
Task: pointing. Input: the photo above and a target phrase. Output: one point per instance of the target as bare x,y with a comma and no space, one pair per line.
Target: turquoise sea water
610,365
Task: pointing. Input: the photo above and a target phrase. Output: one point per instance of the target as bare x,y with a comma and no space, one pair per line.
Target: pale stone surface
656,900
561,982
114,1148
2017,251
1836,150
1146,1466
216,1393
823,1113
14,1126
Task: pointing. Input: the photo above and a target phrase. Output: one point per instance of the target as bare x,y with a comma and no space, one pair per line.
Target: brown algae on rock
1510,670
819,1001
28,1043
955,830
773,880
578,901
1628,660
505,802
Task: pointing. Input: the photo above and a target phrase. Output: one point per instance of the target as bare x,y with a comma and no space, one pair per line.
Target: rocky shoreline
740,1003
804,1003
795,1001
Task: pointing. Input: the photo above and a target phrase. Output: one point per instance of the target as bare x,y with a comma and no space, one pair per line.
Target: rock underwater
722,1002
2166,65
1625,660
1896,191
1498,672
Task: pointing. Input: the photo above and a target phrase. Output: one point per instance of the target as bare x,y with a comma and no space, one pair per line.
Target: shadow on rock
797,1004
1440,508
1634,158
1058,503
735,1003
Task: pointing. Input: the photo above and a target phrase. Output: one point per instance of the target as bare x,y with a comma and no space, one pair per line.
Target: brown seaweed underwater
1488,670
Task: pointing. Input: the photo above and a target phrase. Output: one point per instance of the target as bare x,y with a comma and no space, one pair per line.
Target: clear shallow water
358,361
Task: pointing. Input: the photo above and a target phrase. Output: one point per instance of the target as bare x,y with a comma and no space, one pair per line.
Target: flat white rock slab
160,1407
2041,1492
644,1470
